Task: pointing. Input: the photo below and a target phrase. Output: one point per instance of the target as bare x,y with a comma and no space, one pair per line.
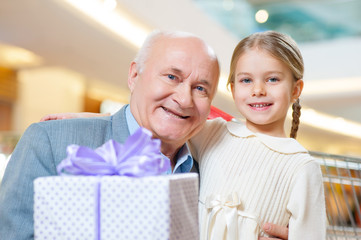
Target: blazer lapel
120,130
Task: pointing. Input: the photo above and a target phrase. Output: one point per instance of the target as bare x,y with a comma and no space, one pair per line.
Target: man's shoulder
71,126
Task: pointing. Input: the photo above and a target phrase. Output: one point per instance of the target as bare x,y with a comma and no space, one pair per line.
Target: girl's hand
279,232
59,116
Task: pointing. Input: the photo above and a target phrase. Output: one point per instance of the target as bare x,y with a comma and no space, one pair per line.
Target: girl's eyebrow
278,72
242,73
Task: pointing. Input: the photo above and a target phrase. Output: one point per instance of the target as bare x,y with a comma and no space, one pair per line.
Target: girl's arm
59,116
307,205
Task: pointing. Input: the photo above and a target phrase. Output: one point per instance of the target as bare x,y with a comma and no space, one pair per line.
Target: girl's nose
258,89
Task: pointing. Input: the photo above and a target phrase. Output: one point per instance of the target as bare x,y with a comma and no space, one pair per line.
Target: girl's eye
246,80
172,77
273,79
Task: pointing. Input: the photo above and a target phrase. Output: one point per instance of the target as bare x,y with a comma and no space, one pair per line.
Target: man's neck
170,151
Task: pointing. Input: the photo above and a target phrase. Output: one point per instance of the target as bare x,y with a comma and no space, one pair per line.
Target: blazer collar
120,130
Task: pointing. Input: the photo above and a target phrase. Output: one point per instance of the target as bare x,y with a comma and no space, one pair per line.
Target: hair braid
296,107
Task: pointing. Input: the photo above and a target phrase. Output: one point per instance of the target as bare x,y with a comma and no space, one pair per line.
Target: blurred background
73,56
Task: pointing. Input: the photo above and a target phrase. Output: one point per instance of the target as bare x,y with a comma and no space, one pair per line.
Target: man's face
173,94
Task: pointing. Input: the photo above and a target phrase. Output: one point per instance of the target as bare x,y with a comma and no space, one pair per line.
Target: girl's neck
266,129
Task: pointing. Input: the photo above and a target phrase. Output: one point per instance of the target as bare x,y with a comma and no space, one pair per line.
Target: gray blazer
39,151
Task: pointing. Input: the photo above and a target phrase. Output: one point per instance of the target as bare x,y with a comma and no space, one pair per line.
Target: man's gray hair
154,36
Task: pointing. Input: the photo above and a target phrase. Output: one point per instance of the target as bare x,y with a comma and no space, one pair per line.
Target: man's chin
172,136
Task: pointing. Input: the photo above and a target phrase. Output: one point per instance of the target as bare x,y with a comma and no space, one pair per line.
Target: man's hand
59,116
278,232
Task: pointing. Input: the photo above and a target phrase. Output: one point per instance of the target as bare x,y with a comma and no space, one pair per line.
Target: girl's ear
232,89
297,89
132,76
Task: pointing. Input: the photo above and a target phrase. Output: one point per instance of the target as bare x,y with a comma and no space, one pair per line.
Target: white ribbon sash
223,219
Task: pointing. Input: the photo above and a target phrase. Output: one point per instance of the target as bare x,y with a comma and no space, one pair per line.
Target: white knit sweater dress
247,179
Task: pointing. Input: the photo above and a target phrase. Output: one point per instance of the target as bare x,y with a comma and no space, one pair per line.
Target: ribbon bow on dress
227,221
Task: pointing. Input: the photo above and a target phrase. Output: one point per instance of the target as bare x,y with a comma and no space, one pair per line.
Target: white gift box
114,207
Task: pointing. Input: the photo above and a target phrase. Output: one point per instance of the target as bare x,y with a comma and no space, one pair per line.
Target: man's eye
170,76
199,88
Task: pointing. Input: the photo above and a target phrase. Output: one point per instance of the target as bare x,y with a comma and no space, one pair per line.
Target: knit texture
271,179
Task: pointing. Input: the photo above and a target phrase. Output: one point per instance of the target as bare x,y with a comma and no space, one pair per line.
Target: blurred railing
342,183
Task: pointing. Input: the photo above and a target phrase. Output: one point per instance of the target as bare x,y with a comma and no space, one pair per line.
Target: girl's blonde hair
283,48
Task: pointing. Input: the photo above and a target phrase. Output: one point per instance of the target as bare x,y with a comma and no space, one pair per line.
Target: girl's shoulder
213,125
278,144
213,128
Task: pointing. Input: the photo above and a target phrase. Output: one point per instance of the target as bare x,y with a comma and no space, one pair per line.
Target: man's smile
174,114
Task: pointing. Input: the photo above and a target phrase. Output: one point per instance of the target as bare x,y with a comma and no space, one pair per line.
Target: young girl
252,173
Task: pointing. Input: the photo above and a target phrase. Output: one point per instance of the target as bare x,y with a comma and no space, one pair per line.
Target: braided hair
296,107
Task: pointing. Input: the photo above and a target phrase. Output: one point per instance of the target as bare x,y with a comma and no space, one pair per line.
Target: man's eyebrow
176,70
205,82
180,72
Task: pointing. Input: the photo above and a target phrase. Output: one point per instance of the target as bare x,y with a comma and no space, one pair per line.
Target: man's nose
258,89
184,95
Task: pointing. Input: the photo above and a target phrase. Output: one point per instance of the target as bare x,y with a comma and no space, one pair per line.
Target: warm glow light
222,84
110,4
261,16
332,86
16,57
329,123
116,22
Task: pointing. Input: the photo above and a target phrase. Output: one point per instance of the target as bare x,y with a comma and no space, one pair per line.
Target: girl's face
263,90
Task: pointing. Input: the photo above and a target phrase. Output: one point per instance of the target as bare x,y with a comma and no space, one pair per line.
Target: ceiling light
317,88
261,16
329,123
15,57
110,4
115,21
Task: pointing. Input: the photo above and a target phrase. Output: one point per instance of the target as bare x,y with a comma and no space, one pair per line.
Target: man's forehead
180,44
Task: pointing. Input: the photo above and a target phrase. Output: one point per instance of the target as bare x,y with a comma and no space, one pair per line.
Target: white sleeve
201,139
307,205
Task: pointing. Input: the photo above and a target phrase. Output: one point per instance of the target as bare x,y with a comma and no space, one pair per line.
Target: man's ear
132,76
297,89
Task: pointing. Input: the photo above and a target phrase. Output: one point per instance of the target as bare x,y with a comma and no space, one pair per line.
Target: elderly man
172,82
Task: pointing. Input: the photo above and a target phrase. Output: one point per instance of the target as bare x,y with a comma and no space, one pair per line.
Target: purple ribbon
139,156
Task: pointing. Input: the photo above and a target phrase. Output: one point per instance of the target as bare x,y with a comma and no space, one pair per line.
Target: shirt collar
278,144
132,123
184,159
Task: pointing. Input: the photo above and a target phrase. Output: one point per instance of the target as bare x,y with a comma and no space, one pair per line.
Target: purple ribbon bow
139,156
